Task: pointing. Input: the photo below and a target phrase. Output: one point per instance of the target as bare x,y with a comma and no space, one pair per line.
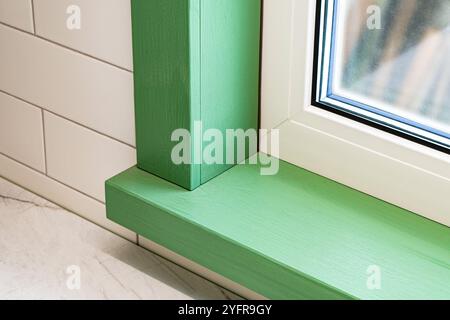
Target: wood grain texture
230,58
295,235
193,60
162,83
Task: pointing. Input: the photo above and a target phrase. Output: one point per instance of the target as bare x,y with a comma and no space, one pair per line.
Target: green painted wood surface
230,38
294,235
194,60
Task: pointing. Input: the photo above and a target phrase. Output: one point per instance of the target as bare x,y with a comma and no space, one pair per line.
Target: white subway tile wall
66,101
70,84
94,157
65,196
17,13
17,118
105,26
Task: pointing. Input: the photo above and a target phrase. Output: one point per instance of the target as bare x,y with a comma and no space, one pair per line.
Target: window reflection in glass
399,64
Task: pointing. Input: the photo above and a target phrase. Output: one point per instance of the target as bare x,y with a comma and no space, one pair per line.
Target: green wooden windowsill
295,235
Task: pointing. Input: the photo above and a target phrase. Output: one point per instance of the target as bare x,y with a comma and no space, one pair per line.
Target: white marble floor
49,253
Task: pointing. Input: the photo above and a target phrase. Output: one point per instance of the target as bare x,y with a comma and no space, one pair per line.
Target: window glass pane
393,56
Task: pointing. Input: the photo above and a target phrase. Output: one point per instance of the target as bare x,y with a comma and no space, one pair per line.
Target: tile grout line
43,124
44,141
33,17
51,178
67,48
55,201
67,119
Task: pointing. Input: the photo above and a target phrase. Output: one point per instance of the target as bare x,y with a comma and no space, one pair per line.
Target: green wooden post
194,60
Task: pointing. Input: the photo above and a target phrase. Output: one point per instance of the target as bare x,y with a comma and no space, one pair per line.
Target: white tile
39,242
17,13
21,134
105,27
62,195
82,158
90,92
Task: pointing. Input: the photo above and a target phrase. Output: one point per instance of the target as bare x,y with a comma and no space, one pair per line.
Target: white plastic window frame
388,167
